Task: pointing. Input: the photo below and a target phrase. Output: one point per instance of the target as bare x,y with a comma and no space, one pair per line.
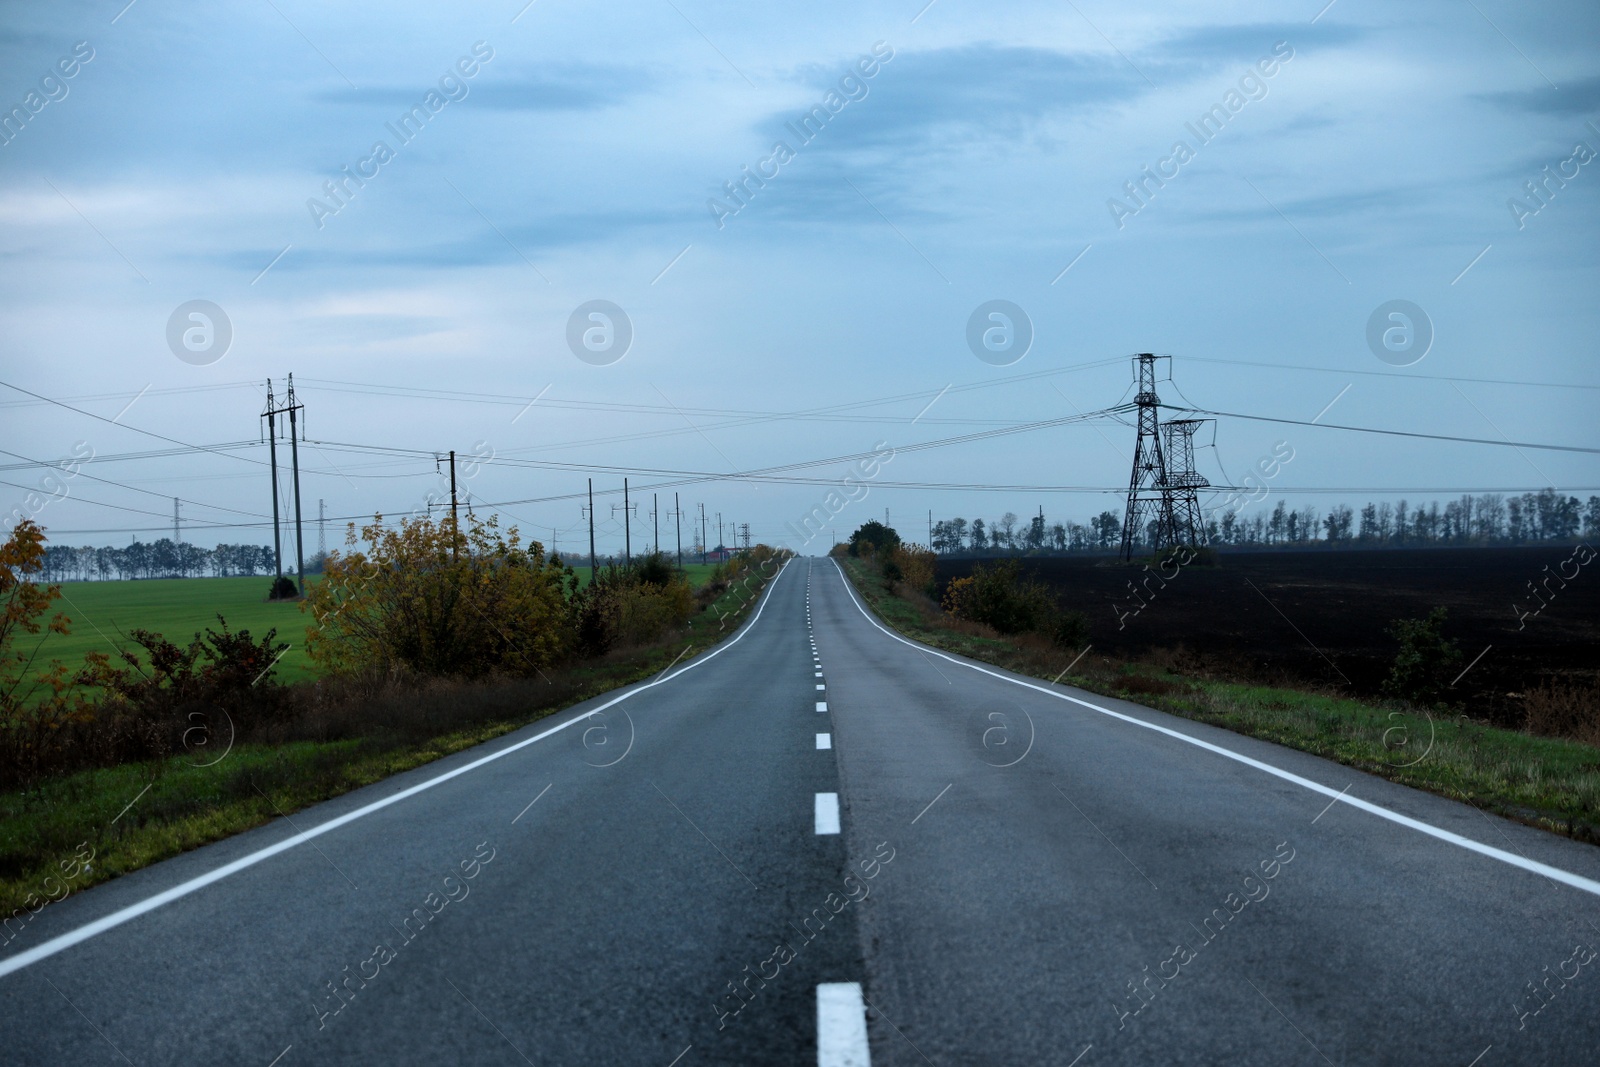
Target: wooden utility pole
271,415
294,460
589,511
455,520
292,409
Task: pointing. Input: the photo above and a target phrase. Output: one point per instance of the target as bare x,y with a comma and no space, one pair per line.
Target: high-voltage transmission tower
1184,482
1163,490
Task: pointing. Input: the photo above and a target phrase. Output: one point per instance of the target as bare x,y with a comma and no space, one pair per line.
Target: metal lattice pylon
1163,489
1183,482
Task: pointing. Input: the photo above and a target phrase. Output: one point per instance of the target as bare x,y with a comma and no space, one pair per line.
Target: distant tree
1491,517
1108,529
1035,535
875,534
1368,530
1004,531
1338,524
1229,529
980,535
1307,528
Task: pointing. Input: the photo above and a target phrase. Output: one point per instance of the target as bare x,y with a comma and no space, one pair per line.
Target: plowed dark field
1318,617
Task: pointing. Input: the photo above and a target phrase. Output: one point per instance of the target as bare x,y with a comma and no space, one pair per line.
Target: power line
87,500
172,391
750,475
1390,433
1387,374
126,426
120,485
736,418
159,453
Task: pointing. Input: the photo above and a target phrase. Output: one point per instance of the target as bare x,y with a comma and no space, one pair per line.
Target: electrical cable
1390,433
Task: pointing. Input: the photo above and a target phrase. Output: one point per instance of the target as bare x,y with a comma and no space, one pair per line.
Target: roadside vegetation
428,640
1547,774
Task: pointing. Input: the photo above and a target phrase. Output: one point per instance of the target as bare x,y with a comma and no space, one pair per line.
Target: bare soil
1319,617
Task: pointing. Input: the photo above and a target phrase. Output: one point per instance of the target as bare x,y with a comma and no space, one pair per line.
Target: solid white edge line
1556,874
825,813
83,933
824,741
842,1026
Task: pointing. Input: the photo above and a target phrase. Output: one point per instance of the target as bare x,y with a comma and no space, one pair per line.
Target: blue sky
577,163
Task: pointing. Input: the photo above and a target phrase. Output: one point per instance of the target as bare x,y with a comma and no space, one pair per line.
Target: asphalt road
976,869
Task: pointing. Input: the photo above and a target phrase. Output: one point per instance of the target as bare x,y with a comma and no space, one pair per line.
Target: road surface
821,843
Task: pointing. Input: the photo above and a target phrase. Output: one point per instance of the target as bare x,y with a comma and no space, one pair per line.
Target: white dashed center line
841,1026
824,741
827,813
822,705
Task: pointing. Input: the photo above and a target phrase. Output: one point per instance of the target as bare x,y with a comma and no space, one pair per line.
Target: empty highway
822,843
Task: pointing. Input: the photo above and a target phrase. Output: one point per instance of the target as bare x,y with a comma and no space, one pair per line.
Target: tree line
156,559
1470,520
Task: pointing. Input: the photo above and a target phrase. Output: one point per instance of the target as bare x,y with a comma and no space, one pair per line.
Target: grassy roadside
103,613
1546,782
140,813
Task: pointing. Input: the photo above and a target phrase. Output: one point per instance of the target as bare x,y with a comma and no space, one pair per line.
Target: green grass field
103,613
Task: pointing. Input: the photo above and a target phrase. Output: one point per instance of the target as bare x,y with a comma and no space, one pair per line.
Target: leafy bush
998,596
1071,630
646,612
624,607
912,564
1426,662
431,598
655,569
283,588
146,711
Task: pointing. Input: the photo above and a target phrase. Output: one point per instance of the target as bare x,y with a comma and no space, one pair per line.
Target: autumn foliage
433,598
36,702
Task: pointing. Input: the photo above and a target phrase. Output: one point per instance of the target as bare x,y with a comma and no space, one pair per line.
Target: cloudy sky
514,164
